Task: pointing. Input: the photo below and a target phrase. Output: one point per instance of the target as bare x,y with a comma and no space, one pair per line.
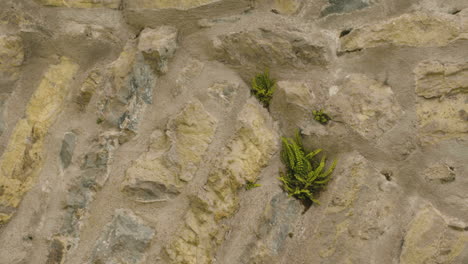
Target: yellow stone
22,159
81,3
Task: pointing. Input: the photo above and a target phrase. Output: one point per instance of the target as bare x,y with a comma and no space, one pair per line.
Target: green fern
321,117
263,88
250,185
305,176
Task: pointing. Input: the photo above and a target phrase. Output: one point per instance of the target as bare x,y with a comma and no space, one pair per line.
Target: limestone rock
224,92
81,3
442,172
429,240
68,146
284,7
368,106
22,160
444,118
11,57
268,47
166,4
173,157
189,72
277,224
124,240
158,45
87,90
406,30
3,98
294,99
344,6
246,154
436,79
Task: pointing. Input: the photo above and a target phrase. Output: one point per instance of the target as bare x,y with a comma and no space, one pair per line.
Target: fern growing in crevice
263,87
305,176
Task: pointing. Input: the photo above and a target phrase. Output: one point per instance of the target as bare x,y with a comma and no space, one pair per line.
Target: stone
245,155
22,160
294,99
11,57
428,239
436,79
268,47
191,70
277,223
56,252
441,103
344,6
173,157
169,4
87,90
123,240
405,30
441,172
224,92
368,106
68,146
3,99
158,45
115,4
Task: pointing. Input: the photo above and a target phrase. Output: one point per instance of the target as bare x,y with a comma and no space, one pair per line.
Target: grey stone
344,6
277,224
68,146
124,240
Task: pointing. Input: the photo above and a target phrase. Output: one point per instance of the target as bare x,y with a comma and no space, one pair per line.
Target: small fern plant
321,116
263,88
305,176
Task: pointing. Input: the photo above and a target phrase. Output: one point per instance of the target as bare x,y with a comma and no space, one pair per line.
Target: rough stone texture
373,109
22,160
266,47
246,154
429,240
158,46
169,4
416,30
157,94
344,6
436,79
124,240
173,157
68,146
11,57
442,90
81,3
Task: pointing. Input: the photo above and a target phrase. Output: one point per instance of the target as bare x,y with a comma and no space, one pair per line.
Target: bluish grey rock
344,6
124,240
68,146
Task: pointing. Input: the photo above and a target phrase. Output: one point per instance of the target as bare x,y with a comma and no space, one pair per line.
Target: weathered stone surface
294,99
158,46
68,146
168,4
441,172
436,79
89,87
361,217
277,224
344,6
224,92
131,78
81,3
416,30
124,240
22,159
3,99
173,157
189,72
11,57
246,154
56,252
368,106
441,106
267,47
430,240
